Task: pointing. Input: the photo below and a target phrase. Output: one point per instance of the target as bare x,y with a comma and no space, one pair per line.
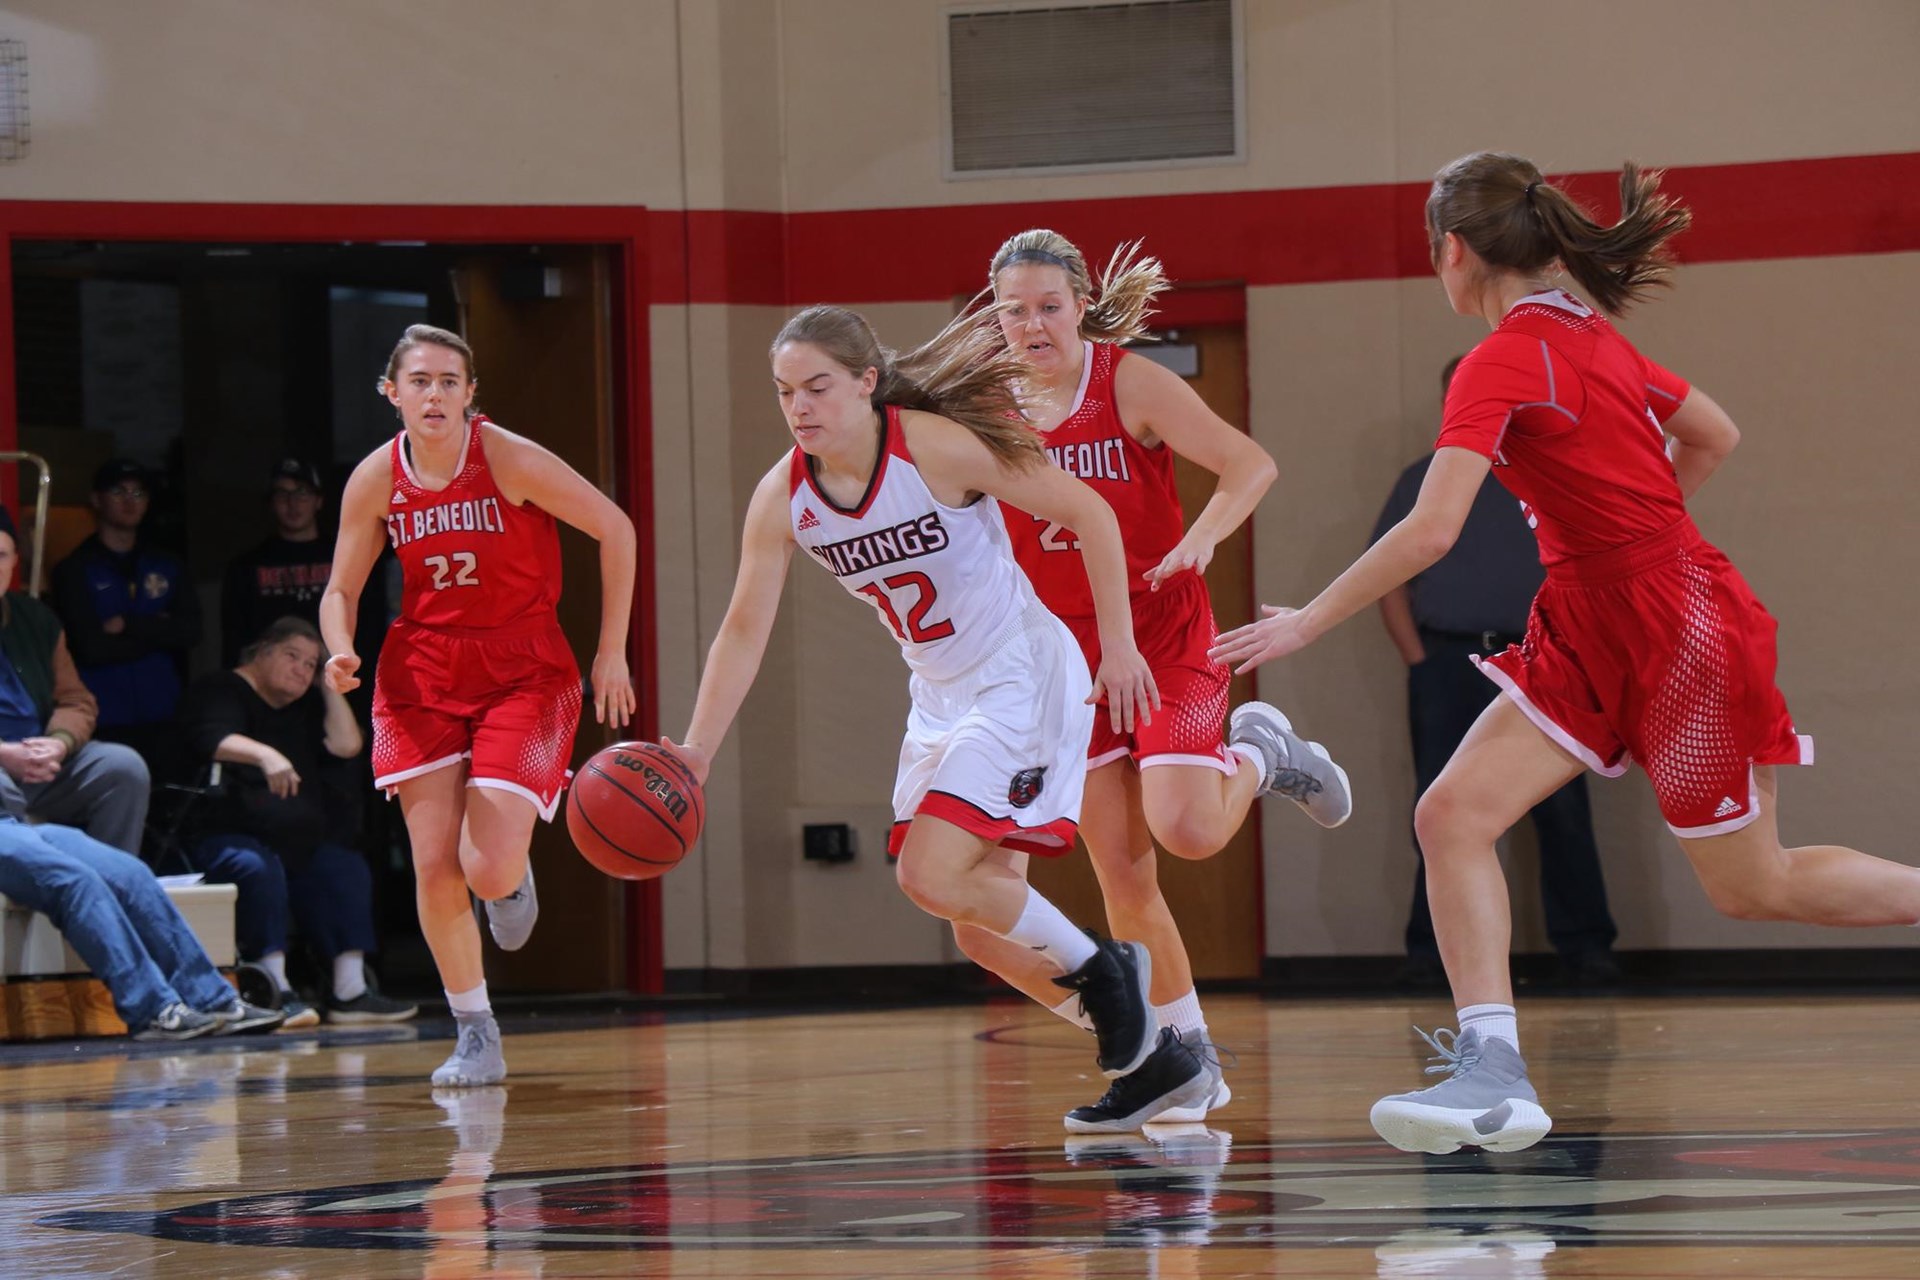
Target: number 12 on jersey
458,570
917,629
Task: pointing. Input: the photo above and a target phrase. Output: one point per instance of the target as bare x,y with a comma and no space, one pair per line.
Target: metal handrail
39,514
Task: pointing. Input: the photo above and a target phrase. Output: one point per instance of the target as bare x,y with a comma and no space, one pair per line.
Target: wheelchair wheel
257,985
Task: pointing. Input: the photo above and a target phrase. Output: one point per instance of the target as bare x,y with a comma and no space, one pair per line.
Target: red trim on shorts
1006,832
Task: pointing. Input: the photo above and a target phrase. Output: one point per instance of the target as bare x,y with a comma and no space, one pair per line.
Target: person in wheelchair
276,828
51,768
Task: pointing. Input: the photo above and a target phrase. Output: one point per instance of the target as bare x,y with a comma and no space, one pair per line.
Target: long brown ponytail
965,372
1512,217
1117,310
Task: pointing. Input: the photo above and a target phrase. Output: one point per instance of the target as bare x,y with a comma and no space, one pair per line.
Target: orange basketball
634,810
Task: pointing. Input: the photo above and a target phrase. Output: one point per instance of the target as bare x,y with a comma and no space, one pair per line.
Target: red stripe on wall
1743,212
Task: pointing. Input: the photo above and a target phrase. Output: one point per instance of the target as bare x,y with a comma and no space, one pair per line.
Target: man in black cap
284,576
131,614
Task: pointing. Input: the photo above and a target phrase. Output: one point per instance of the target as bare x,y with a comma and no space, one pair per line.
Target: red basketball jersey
1572,417
1137,482
471,560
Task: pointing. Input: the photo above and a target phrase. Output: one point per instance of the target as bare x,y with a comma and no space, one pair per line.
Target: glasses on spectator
133,492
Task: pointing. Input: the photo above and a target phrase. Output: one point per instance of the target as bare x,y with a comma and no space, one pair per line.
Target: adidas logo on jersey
808,520
399,498
1728,807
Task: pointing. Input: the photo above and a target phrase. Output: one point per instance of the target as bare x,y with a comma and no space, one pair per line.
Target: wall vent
1078,87
14,133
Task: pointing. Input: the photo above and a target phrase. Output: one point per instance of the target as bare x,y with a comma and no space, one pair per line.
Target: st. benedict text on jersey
472,515
1092,459
921,536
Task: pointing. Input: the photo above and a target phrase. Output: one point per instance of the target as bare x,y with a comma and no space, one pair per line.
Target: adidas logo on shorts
808,520
1728,807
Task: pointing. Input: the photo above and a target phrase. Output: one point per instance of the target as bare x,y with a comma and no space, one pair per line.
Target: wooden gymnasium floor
1731,1136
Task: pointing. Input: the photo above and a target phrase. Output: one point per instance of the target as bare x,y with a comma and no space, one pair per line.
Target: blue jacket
134,672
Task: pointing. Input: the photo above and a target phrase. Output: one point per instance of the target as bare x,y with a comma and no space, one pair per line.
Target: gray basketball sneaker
510,919
1300,770
1486,1100
476,1059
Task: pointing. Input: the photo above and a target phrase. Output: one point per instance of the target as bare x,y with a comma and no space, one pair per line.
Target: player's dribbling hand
340,675
1279,633
691,756
1184,558
613,700
1125,682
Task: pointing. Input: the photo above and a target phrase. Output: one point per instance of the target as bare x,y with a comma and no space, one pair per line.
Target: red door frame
627,230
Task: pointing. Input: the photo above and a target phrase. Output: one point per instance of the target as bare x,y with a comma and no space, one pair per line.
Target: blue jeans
330,894
115,914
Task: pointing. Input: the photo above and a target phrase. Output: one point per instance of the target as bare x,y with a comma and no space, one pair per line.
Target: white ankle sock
349,976
1492,1021
1251,754
1071,1011
1043,928
1183,1015
275,963
470,1004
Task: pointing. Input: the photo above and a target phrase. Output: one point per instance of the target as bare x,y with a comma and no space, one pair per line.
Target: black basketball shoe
1112,987
1172,1076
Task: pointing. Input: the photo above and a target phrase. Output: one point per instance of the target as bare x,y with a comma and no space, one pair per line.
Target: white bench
49,993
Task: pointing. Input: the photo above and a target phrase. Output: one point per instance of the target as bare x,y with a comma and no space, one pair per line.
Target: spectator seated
278,829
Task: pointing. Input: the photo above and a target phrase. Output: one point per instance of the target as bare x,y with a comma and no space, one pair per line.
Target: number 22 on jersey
1056,536
461,569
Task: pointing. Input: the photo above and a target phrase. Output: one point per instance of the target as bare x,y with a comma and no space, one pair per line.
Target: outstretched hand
1281,632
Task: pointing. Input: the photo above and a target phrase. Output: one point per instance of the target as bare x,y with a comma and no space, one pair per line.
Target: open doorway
207,361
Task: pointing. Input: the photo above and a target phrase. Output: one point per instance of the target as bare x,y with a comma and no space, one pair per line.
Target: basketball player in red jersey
1116,421
891,486
1644,643
477,694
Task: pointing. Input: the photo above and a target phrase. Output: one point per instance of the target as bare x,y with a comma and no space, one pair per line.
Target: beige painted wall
350,101
1357,91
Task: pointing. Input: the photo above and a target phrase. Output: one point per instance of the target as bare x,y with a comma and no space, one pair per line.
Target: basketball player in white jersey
892,487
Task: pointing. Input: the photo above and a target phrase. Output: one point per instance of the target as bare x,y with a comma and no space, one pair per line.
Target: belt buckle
1490,642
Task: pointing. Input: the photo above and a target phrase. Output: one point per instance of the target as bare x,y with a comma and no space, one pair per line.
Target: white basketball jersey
943,579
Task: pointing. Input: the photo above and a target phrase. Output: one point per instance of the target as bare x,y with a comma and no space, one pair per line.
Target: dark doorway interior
210,362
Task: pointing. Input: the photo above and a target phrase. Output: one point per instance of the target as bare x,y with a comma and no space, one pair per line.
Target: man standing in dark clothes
1475,602
131,615
284,576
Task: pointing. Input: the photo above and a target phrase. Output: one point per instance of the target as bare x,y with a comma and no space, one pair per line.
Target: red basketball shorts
1173,628
508,704
1658,651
